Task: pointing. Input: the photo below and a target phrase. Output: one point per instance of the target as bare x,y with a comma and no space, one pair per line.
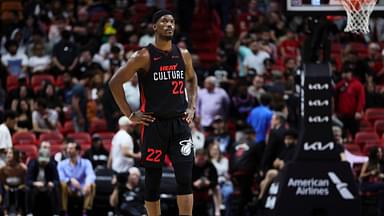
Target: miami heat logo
186,147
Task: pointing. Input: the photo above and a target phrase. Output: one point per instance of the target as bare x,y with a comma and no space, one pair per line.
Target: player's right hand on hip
144,118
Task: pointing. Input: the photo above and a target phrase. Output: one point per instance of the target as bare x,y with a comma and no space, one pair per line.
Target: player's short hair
158,14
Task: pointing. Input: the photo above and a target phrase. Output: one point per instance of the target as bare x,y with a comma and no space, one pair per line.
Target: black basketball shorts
162,137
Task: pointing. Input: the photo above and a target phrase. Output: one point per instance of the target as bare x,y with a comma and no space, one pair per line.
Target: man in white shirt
256,60
122,157
5,135
132,93
16,63
44,119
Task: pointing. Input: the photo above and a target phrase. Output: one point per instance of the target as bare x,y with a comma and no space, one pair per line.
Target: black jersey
162,88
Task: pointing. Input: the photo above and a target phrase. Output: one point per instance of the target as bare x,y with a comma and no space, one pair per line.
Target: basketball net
358,13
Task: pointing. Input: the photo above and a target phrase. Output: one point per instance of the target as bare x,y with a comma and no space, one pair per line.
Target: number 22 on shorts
153,155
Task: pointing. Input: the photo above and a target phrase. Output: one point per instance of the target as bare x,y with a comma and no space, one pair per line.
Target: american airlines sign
319,146
318,119
318,86
318,103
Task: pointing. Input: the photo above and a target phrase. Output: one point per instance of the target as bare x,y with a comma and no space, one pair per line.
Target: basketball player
167,107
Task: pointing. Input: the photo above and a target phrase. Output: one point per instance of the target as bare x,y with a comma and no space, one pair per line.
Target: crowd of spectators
58,56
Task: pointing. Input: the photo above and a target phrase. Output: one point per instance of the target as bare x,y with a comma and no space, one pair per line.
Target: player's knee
152,184
184,181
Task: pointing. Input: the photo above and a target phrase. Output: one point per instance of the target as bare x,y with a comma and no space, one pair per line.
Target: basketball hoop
358,13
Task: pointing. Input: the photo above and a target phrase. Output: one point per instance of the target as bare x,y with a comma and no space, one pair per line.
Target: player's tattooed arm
191,78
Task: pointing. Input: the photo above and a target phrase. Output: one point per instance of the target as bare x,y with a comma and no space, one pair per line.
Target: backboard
324,7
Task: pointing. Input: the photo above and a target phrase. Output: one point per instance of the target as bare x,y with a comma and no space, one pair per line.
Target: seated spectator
346,155
43,183
39,62
128,196
222,166
221,134
62,155
16,63
257,88
77,178
204,183
24,117
12,177
23,92
290,141
372,175
48,92
64,55
97,154
198,137
44,119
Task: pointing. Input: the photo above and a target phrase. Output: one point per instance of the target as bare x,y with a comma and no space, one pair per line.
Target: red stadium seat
12,83
68,127
373,114
29,150
82,138
362,138
106,138
365,125
60,81
38,79
24,138
98,125
53,137
55,149
353,148
379,127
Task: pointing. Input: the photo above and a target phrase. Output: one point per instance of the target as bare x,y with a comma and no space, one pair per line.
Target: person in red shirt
349,101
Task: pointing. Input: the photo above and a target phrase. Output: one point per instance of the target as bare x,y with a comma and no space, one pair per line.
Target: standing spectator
260,118
12,177
275,143
289,46
205,181
256,59
106,48
16,63
221,70
122,156
257,88
39,62
132,93
75,98
8,123
77,178
350,101
97,154
244,52
44,119
65,54
128,198
228,44
242,102
43,183
211,101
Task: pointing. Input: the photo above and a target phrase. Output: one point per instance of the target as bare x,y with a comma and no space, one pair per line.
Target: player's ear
154,27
